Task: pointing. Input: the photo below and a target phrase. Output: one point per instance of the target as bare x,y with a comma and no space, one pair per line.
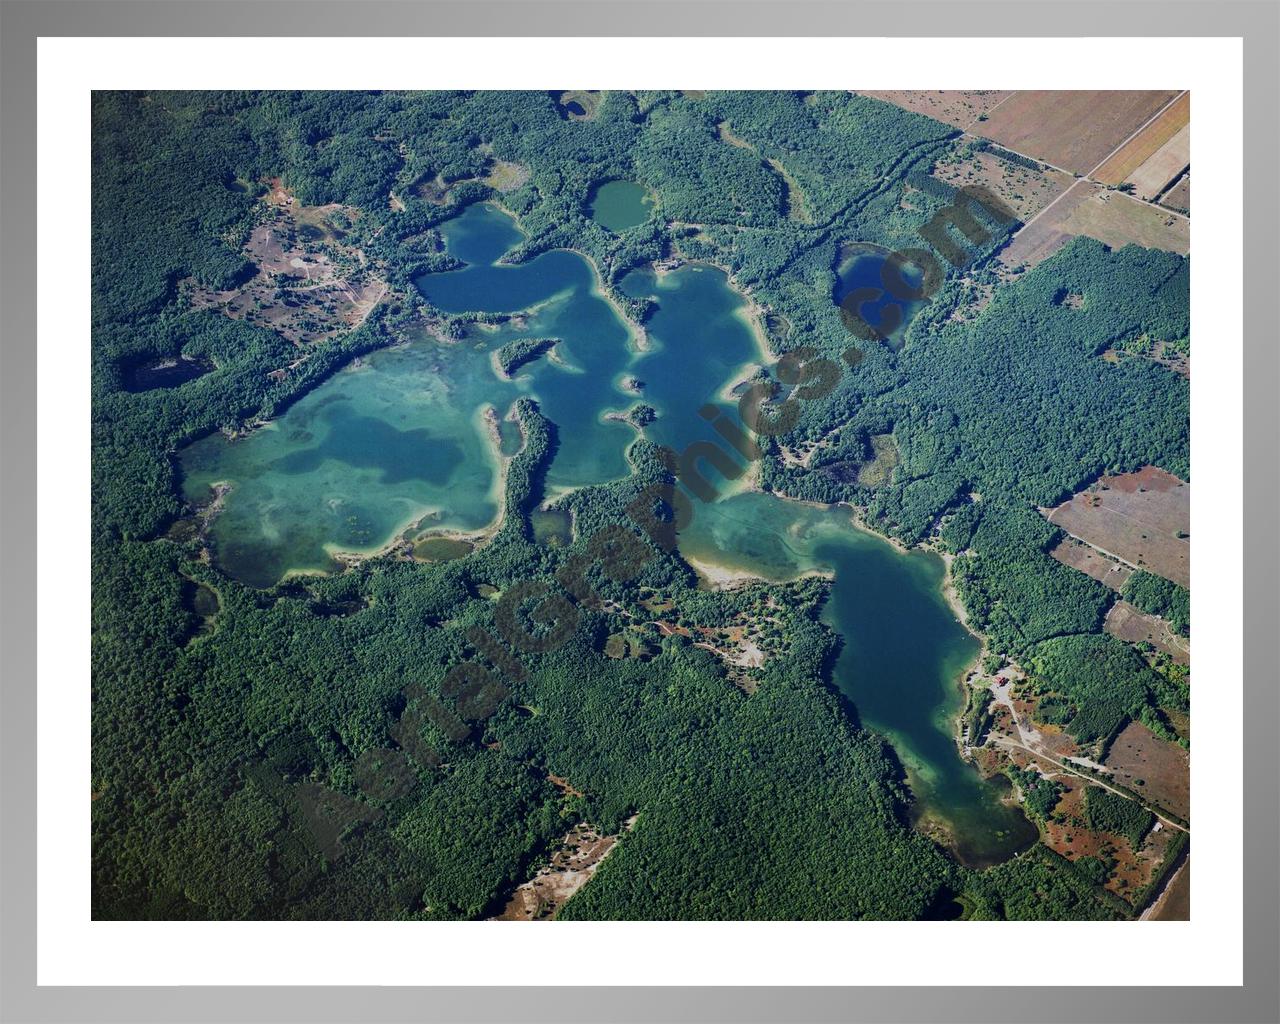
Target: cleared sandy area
958,107
1142,518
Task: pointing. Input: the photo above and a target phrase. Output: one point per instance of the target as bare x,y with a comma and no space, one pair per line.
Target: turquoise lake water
353,462
903,652
400,443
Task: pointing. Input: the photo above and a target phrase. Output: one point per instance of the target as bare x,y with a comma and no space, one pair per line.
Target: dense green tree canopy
361,745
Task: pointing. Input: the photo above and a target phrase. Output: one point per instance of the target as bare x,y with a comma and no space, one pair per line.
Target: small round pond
618,205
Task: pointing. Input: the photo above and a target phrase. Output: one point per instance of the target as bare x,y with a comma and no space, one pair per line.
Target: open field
570,868
1068,834
958,107
1141,518
1174,904
1080,556
1164,768
1179,197
885,458
1074,130
1117,220
1126,622
1027,191
1134,871
506,176
1125,161
1039,240
1112,217
309,285
1163,166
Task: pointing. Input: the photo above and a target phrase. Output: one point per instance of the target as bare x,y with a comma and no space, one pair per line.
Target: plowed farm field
1075,130
1142,518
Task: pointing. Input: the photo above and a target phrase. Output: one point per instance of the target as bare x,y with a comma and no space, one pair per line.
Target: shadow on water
202,602
510,439
366,442
946,906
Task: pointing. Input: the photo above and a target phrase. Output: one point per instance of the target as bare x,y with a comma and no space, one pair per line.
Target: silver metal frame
21,23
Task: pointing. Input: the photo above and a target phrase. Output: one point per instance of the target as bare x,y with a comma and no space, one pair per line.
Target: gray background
1258,22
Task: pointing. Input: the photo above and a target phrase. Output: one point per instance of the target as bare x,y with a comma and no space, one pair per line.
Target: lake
903,653
400,439
618,205
398,446
380,446
861,290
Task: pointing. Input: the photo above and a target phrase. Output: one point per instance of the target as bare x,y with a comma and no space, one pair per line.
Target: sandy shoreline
551,353
751,313
350,557
952,596
723,577
639,336
949,593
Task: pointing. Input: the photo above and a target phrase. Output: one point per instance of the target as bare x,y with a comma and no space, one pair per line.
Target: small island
515,354
638,416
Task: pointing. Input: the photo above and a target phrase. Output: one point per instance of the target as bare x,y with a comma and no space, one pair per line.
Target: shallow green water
352,463
551,528
441,549
903,649
401,441
402,436
618,205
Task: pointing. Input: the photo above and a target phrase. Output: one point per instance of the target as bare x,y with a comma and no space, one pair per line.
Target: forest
1158,596
374,743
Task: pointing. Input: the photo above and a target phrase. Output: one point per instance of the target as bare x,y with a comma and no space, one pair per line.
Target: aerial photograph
641,506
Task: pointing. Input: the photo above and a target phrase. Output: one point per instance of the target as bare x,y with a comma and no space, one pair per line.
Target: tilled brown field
1142,518
1075,129
1146,143
1163,166
1164,768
